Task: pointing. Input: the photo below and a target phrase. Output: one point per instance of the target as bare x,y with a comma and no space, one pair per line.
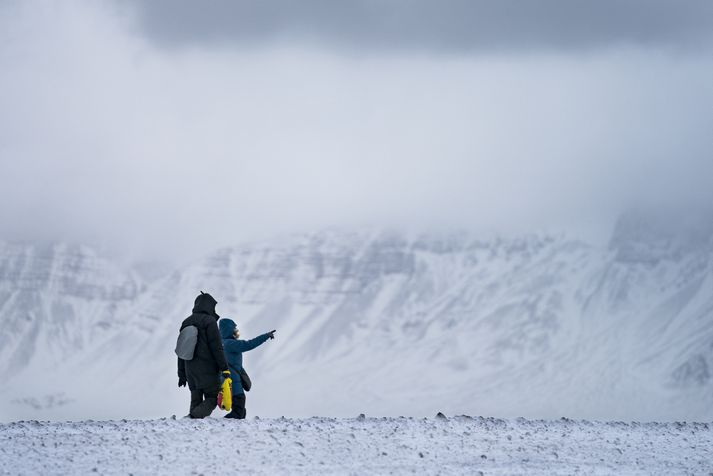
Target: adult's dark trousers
203,401
238,411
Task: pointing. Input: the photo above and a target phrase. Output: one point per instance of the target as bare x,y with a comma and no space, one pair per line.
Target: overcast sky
163,129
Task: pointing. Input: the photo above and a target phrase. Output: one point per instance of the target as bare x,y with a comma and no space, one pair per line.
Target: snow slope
56,300
537,326
458,445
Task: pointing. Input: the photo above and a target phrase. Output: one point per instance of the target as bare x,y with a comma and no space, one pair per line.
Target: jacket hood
226,326
205,304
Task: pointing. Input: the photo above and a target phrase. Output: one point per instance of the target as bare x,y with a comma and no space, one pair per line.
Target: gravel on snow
455,445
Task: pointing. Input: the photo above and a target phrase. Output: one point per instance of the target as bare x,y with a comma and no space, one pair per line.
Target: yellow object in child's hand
225,398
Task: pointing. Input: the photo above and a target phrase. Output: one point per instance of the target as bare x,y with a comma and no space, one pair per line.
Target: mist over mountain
381,322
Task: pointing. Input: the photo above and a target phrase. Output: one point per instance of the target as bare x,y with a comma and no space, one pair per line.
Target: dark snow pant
238,411
203,402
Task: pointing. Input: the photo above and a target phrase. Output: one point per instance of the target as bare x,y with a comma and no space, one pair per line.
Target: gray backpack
186,343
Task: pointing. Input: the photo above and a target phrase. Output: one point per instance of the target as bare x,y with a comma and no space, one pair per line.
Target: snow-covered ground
455,445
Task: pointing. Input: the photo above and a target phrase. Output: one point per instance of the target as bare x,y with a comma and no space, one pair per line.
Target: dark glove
226,373
181,382
271,334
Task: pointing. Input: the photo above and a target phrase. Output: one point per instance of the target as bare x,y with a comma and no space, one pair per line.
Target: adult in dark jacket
234,348
202,373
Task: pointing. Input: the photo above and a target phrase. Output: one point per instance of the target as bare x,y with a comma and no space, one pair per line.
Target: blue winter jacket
234,349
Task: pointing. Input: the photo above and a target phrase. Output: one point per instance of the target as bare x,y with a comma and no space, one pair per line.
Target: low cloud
108,137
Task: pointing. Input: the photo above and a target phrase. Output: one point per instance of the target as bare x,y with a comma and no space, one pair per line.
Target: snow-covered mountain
388,323
55,300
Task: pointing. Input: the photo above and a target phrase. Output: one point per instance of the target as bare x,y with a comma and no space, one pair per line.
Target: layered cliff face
660,281
55,301
539,326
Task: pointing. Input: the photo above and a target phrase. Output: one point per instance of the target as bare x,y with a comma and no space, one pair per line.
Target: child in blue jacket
234,348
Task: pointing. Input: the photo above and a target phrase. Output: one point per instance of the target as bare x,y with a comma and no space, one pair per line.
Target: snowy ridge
457,445
540,326
55,300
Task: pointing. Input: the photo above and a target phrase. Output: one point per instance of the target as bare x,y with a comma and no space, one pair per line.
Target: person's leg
196,399
207,406
239,405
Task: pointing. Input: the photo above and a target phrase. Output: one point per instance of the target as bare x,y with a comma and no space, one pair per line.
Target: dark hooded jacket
234,349
203,371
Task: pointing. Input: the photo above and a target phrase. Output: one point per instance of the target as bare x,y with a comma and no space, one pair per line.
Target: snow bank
457,445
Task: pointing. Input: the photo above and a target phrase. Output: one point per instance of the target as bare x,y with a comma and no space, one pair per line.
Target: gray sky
163,130
460,26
